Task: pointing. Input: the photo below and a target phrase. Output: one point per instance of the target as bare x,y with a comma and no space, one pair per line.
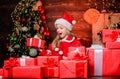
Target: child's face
62,31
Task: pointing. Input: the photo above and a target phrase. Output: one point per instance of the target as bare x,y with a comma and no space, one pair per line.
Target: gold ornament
91,15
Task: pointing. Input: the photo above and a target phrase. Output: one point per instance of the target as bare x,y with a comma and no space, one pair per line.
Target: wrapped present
112,45
73,69
35,42
27,61
76,53
27,72
47,61
52,72
1,71
1,77
8,66
104,62
76,56
110,35
81,50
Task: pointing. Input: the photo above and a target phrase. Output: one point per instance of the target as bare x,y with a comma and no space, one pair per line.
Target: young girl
64,38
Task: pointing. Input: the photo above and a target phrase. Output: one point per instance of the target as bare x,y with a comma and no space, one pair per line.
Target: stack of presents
82,62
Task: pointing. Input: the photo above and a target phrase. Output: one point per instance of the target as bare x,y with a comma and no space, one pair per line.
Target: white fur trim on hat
65,23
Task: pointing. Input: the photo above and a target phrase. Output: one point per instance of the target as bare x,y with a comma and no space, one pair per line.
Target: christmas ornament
17,46
24,29
14,38
42,10
23,19
43,17
10,49
33,52
26,11
16,18
47,33
91,15
42,30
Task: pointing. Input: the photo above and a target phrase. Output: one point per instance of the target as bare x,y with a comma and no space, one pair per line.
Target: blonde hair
57,39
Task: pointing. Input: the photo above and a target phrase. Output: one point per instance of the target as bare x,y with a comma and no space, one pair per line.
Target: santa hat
66,20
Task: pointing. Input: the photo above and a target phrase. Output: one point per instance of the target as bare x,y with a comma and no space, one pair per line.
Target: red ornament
43,17
44,22
16,18
23,19
42,10
47,33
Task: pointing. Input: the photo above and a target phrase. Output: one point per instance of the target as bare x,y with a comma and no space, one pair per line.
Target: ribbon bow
12,62
51,62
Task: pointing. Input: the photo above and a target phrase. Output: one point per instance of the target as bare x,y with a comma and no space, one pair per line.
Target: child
64,38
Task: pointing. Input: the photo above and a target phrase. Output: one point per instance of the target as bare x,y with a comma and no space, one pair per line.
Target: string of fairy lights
104,4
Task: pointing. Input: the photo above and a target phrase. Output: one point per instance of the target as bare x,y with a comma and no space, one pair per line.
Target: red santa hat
66,20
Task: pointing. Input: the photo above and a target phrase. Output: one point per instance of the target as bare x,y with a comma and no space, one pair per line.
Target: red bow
12,62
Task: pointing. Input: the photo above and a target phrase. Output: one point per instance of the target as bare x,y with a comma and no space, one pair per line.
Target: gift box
27,72
35,42
8,66
52,72
48,61
76,53
1,71
27,61
104,62
76,56
112,45
81,50
110,35
73,69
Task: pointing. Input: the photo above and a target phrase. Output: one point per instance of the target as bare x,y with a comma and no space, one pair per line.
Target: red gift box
35,42
110,35
27,61
73,69
76,53
8,66
47,61
112,45
104,62
76,56
1,71
51,72
81,50
27,72
1,77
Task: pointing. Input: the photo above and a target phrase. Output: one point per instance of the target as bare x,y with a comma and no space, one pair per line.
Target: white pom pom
56,49
73,22
48,51
61,52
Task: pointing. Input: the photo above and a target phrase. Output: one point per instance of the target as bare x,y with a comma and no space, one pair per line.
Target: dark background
6,7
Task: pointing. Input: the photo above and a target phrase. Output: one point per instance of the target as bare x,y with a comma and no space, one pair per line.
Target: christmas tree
28,20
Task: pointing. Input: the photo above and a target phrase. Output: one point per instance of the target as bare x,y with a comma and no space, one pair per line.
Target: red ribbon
51,62
113,36
12,62
80,57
